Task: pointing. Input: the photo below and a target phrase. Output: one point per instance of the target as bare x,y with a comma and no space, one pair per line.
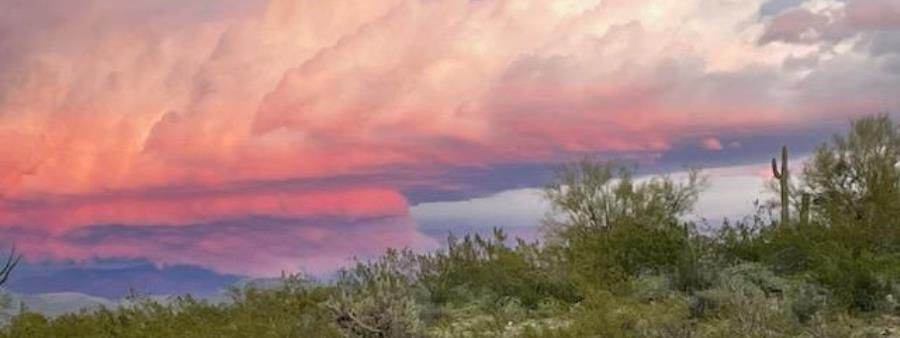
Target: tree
610,227
854,247
378,298
595,196
855,179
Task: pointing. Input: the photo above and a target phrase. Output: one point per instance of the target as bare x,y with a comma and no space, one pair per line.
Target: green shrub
378,299
475,267
740,306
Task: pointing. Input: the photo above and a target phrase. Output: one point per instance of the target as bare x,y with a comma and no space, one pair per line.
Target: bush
740,305
378,299
475,267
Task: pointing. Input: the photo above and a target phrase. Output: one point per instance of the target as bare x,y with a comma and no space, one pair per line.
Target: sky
213,140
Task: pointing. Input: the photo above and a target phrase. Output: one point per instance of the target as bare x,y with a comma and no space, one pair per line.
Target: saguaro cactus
783,182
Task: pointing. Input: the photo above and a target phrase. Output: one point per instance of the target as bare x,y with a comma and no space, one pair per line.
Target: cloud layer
255,136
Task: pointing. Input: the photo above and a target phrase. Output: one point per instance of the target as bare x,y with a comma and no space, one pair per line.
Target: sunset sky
196,141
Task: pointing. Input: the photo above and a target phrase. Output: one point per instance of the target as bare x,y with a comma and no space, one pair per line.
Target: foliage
856,178
490,269
377,299
591,196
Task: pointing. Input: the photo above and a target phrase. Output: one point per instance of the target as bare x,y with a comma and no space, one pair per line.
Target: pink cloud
833,24
64,214
712,143
248,246
796,25
874,14
108,107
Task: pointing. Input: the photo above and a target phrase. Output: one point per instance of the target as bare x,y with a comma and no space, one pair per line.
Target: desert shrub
475,267
808,301
650,288
745,303
290,309
378,298
604,314
698,264
745,283
857,278
504,318
854,281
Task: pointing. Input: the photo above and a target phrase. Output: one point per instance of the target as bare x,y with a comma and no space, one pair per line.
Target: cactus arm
775,169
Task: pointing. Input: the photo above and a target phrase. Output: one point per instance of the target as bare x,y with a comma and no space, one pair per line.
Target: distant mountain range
53,304
119,281
58,303
58,288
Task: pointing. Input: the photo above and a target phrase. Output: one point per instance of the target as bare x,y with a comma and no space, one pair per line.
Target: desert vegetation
618,258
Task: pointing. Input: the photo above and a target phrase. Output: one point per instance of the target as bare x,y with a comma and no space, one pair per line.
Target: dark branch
10,264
